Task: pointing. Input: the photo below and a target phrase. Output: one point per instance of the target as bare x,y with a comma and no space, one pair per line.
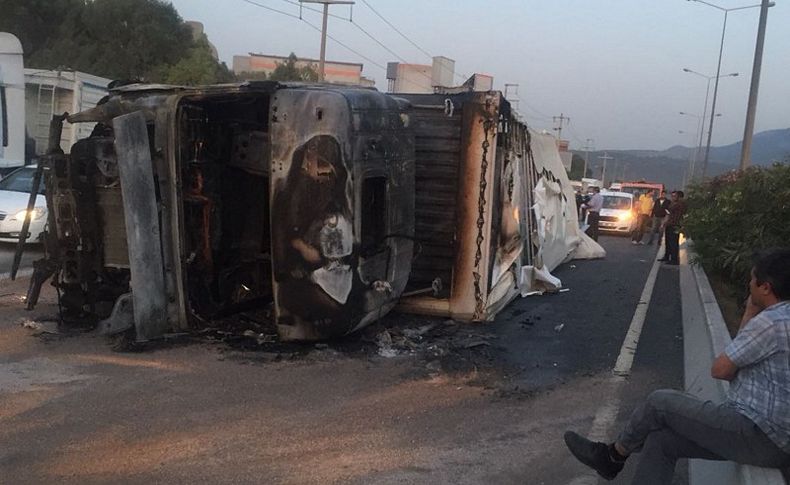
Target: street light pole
718,72
751,110
701,130
322,59
713,104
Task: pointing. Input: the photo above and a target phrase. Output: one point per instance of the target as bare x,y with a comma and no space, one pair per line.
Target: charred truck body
188,205
320,206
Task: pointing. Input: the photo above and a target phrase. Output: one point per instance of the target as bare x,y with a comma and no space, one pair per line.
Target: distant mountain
767,147
670,166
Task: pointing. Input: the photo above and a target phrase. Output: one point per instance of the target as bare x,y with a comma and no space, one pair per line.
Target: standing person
752,427
644,208
660,211
672,228
593,207
579,202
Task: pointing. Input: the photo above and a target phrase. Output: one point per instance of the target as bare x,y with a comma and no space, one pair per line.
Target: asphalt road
74,411
32,253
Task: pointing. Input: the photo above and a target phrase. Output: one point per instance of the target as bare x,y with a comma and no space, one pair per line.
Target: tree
118,39
199,67
289,71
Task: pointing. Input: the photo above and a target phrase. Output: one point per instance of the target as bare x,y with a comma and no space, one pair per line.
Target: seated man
752,427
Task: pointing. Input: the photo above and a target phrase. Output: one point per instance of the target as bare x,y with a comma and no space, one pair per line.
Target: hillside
669,166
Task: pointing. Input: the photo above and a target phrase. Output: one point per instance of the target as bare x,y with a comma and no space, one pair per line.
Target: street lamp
718,72
704,110
694,154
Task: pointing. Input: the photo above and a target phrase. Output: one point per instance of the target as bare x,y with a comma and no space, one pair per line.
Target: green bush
733,215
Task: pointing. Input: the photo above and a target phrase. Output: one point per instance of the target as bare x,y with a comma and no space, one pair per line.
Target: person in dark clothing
660,211
594,206
677,210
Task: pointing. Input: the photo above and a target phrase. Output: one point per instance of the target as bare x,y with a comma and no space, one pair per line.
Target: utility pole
605,157
751,110
325,3
587,147
560,119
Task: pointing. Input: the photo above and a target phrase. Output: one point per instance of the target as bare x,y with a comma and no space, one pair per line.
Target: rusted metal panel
475,204
472,194
140,209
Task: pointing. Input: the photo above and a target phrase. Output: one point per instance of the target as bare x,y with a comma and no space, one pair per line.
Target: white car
617,214
14,195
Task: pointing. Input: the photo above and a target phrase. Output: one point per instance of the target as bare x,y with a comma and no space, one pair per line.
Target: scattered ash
434,345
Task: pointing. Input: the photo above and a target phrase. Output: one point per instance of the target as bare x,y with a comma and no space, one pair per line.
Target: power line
272,9
342,44
302,6
396,29
464,77
318,29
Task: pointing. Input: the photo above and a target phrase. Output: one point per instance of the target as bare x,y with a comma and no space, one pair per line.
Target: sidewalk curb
705,336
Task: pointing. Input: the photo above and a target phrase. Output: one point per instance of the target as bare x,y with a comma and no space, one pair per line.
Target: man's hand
751,311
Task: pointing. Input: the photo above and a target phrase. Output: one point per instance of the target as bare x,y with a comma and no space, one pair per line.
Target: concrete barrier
705,336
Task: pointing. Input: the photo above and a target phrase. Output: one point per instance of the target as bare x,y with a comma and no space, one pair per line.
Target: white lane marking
626,358
606,415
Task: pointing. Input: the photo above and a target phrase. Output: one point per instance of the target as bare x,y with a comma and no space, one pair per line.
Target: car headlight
625,217
36,213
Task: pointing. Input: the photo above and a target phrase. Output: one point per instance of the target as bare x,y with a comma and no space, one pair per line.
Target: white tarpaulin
559,238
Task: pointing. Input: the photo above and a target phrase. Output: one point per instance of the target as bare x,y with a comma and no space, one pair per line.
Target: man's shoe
663,260
634,242
593,454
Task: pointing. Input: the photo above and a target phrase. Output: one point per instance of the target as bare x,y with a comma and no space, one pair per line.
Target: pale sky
613,66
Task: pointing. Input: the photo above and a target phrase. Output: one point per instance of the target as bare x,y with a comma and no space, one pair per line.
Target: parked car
14,195
617,213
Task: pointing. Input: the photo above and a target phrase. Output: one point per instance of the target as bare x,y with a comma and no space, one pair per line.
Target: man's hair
680,193
596,189
773,266
663,192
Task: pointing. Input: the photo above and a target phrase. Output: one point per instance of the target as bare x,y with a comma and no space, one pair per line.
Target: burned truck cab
187,206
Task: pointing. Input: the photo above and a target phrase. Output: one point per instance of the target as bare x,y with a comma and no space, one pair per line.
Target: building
436,77
565,155
420,78
348,73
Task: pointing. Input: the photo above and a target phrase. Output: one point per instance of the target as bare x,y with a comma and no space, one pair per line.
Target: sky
613,66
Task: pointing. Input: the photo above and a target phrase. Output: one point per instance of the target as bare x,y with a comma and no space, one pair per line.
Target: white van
617,214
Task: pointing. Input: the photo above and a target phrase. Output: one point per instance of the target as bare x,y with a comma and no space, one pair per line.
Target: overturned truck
321,207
